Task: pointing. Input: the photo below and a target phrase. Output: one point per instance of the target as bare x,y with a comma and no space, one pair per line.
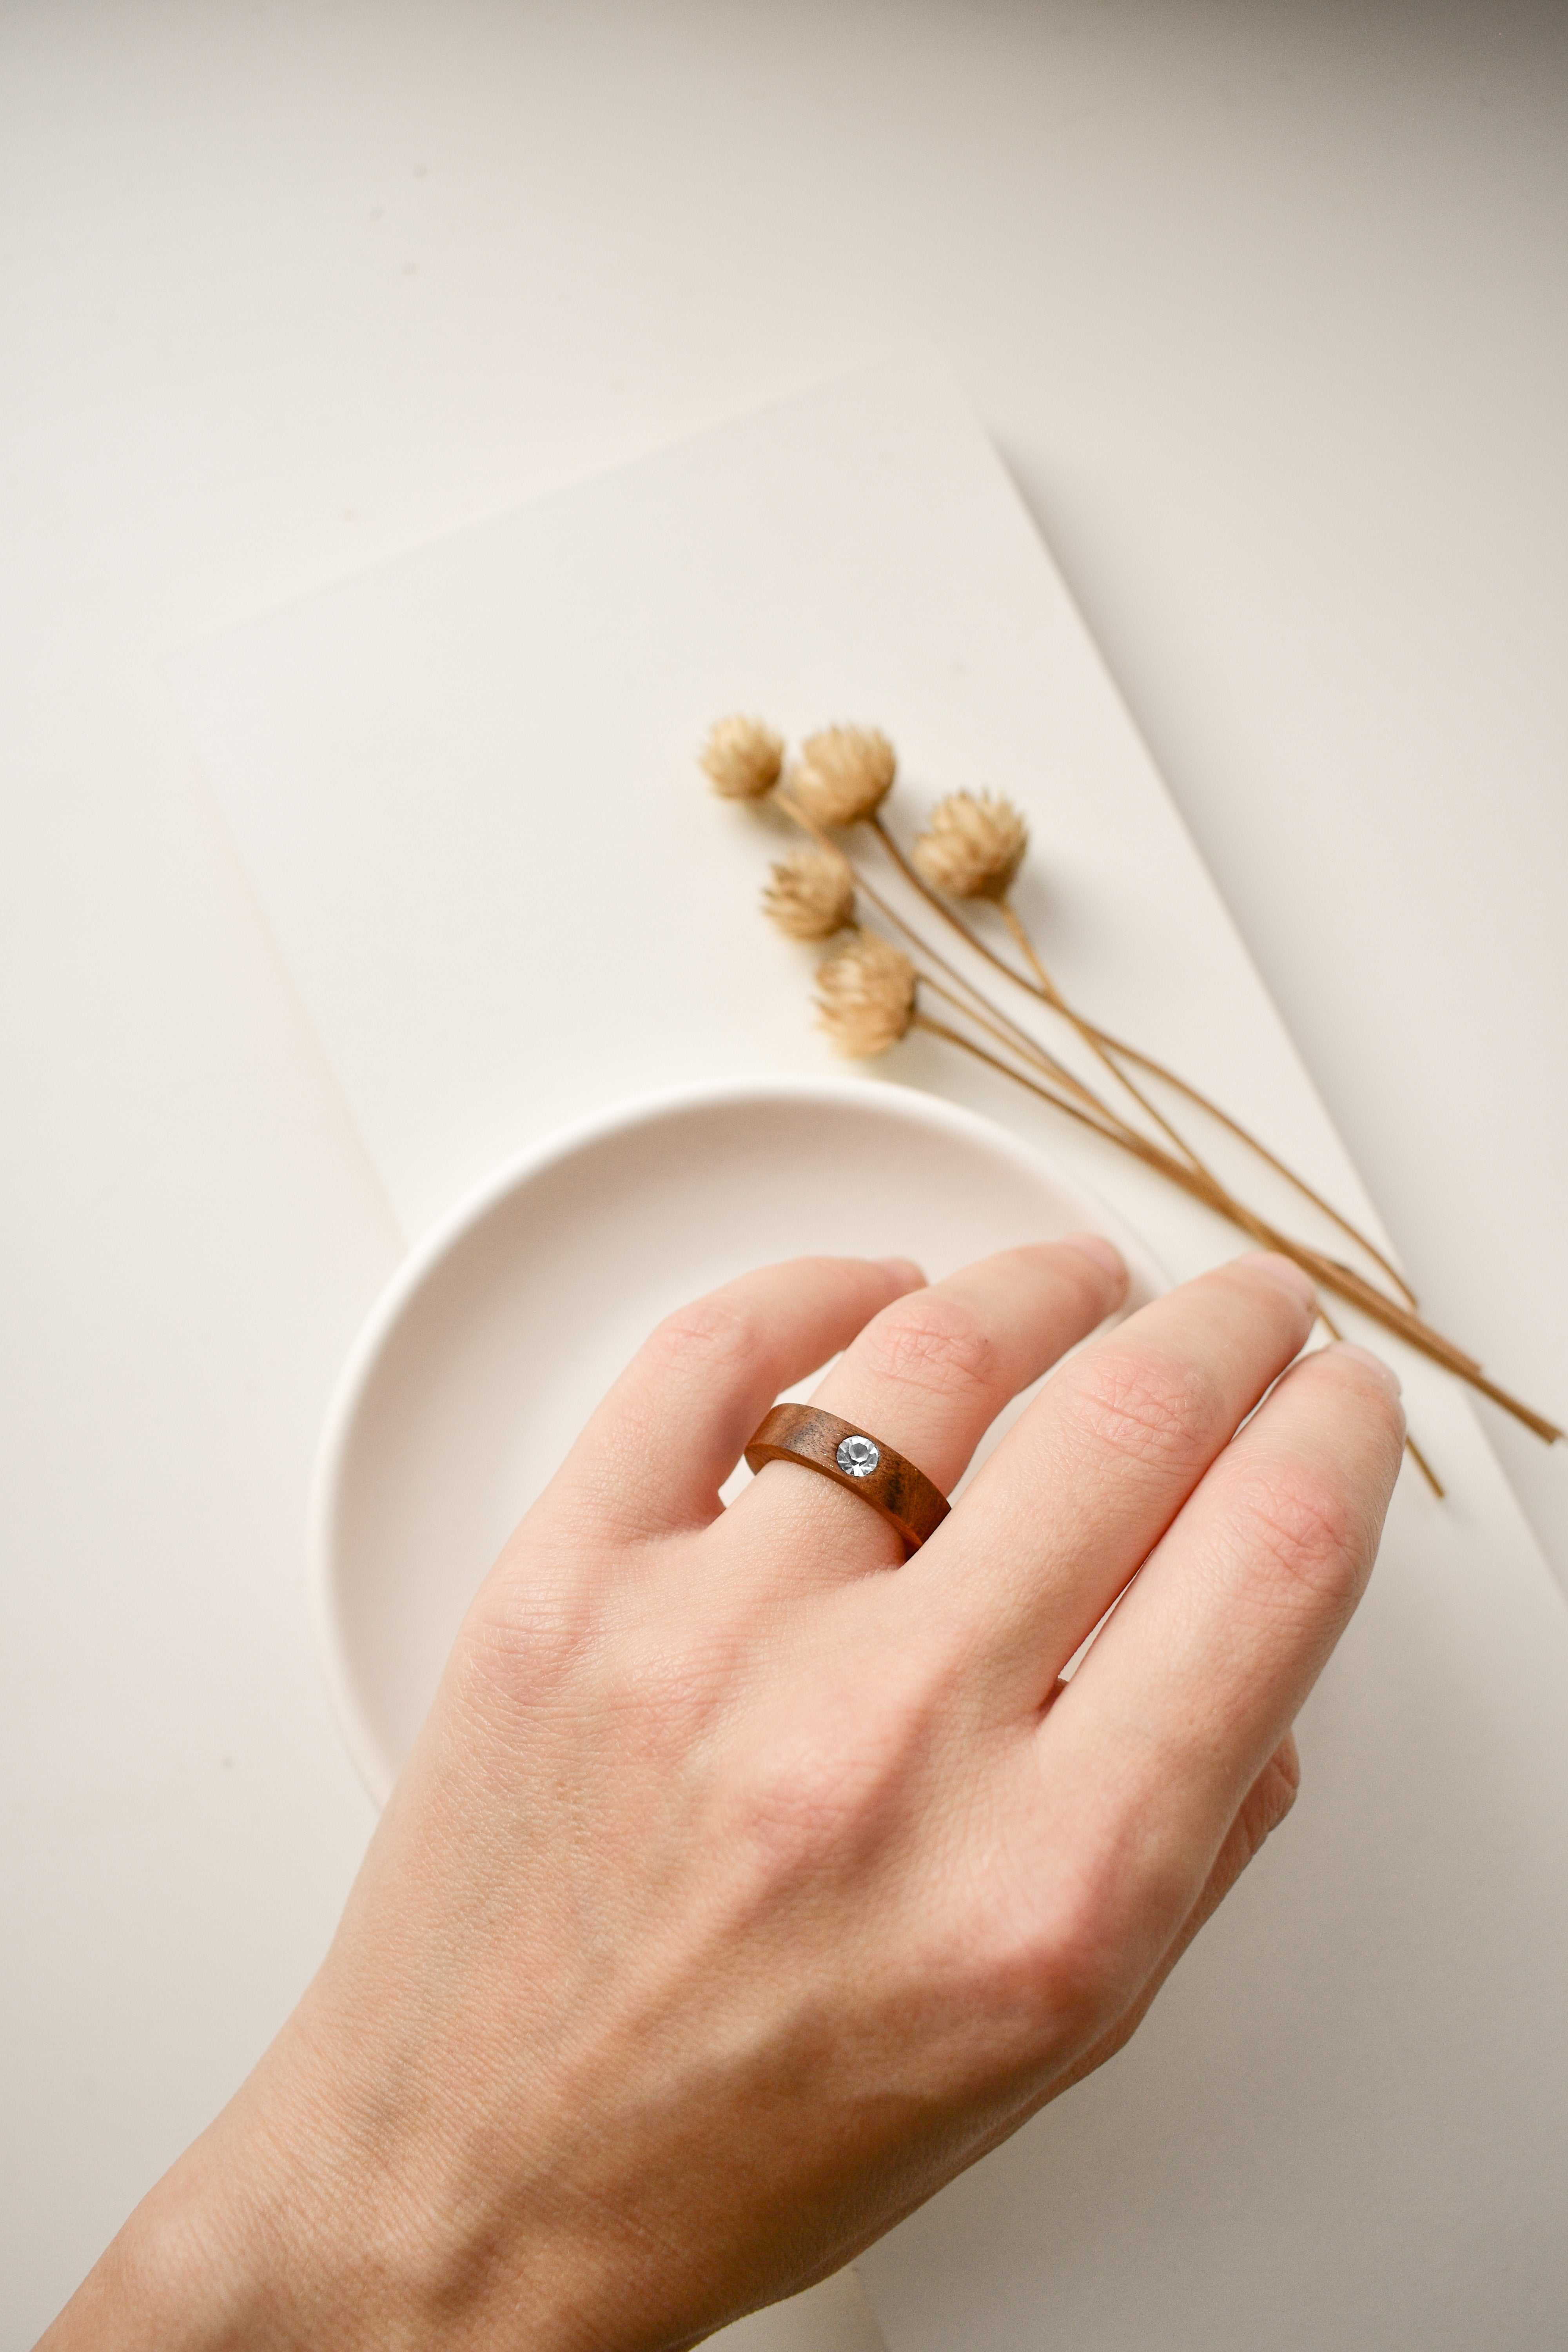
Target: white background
1265,306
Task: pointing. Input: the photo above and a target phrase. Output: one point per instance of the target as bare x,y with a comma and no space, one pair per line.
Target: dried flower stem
1328,1271
1045,1063
939,905
1027,949
1052,1082
1043,987
1325,1271
1107,1046
1059,1004
1019,1040
1244,1135
1425,1467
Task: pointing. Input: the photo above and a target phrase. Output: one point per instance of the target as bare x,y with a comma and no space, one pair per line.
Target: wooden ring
851,1457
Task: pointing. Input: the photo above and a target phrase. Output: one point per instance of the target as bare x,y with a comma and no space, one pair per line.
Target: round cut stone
858,1456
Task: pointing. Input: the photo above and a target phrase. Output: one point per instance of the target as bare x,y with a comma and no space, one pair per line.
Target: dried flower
812,894
867,995
868,988
973,847
742,759
845,773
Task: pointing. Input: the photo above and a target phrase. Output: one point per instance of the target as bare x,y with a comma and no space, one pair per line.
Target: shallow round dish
503,1328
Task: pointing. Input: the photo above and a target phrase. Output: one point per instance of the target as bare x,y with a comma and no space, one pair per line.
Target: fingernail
1286,1273
904,1270
1365,1356
1095,1246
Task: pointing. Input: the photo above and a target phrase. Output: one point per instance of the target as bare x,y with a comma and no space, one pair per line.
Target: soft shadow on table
832,2317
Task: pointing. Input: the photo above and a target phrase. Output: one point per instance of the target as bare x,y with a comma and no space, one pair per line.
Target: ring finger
927,1377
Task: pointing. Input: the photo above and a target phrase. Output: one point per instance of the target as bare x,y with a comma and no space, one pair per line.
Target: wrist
195,2268
293,2222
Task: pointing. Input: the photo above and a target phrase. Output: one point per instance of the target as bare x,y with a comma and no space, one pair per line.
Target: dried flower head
742,759
812,894
973,847
867,996
845,773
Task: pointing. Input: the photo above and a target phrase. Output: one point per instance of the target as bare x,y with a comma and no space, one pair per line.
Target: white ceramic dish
504,1327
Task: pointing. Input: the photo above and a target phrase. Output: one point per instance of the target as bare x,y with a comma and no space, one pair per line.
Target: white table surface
1265,309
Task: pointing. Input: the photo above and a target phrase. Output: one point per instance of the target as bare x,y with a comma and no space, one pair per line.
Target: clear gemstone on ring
858,1456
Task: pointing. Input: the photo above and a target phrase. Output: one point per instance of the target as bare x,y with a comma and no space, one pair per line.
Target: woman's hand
745,1885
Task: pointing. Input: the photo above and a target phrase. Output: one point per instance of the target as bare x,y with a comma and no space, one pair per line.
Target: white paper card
464,786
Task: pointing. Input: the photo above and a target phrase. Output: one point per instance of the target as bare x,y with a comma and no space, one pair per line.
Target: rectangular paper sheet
464,786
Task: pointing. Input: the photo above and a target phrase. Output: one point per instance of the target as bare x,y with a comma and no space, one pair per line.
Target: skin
746,1884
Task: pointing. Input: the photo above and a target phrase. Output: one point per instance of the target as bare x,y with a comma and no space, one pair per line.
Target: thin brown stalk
1086,1030
1027,949
1043,985
1021,1040
1244,1135
1330,1272
939,905
1108,1123
1040,983
991,1015
1425,1467
1325,1271
1106,1046
1047,1094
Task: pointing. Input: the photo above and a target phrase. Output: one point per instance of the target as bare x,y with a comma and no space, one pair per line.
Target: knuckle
1080,1960
1144,1409
818,1795
1305,1530
1277,1791
932,1343
791,1810
542,1654
528,1633
1047,1970
1264,1809
1284,1773
710,1333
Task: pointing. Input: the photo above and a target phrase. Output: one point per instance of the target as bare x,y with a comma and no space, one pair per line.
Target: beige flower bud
812,894
973,847
845,773
867,995
742,759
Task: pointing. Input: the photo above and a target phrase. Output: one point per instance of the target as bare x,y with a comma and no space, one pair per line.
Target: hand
746,1884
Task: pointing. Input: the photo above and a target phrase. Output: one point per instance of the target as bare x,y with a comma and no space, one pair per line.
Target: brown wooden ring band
903,1495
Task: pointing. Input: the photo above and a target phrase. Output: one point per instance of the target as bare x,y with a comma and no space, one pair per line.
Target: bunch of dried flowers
874,987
